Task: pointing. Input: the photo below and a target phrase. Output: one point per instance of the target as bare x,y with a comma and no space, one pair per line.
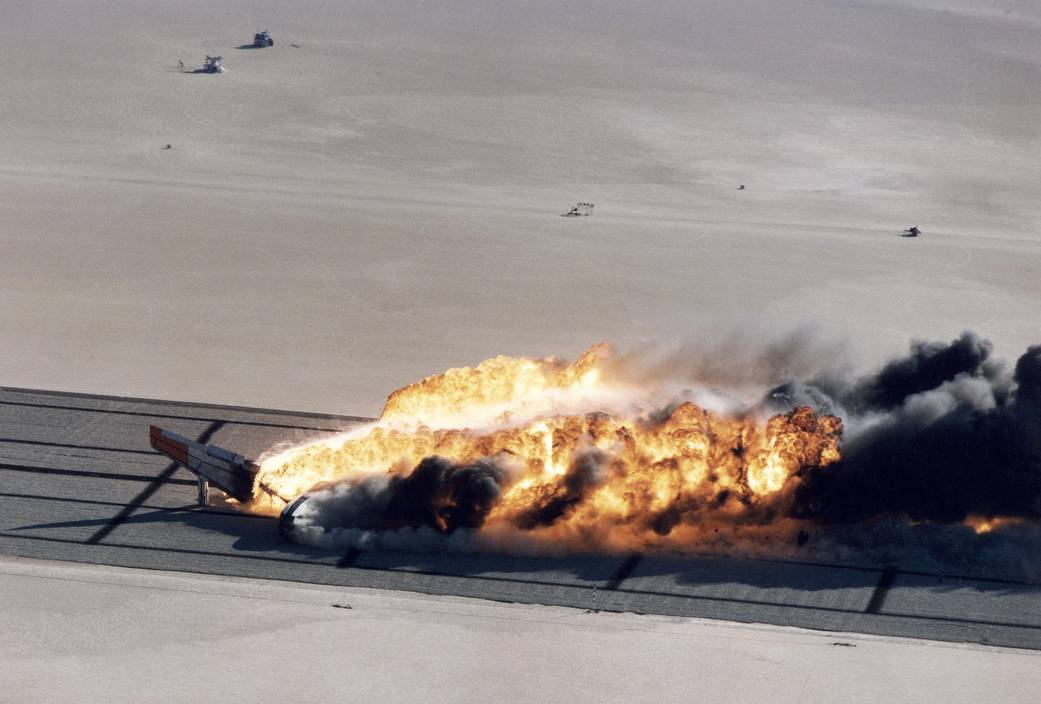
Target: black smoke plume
586,472
436,494
938,435
929,365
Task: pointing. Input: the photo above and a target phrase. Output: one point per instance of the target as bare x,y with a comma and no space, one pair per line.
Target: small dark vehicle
911,232
262,39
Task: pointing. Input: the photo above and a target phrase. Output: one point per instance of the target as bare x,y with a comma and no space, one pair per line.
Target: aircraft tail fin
231,473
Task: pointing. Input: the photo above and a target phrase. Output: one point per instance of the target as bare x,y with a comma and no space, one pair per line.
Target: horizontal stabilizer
231,473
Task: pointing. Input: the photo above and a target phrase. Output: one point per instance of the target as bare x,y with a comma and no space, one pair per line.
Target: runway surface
78,481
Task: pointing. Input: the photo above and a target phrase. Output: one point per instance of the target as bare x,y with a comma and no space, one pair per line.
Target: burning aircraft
587,455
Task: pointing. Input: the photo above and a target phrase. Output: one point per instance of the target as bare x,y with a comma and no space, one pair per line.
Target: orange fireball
566,467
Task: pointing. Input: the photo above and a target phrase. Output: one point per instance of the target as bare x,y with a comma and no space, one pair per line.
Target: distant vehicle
262,39
911,232
579,210
213,64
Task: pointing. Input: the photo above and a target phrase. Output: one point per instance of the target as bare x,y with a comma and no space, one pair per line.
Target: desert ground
377,197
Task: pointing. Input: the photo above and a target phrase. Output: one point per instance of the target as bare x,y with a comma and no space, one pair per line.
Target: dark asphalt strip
40,443
193,508
184,404
134,504
146,414
92,475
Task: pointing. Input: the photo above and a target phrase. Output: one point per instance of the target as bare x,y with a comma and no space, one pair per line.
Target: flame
985,524
646,474
495,389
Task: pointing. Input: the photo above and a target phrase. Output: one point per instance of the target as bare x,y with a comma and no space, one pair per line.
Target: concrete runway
116,634
79,482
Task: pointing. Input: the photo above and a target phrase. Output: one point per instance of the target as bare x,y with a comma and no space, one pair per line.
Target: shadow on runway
660,574
252,533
